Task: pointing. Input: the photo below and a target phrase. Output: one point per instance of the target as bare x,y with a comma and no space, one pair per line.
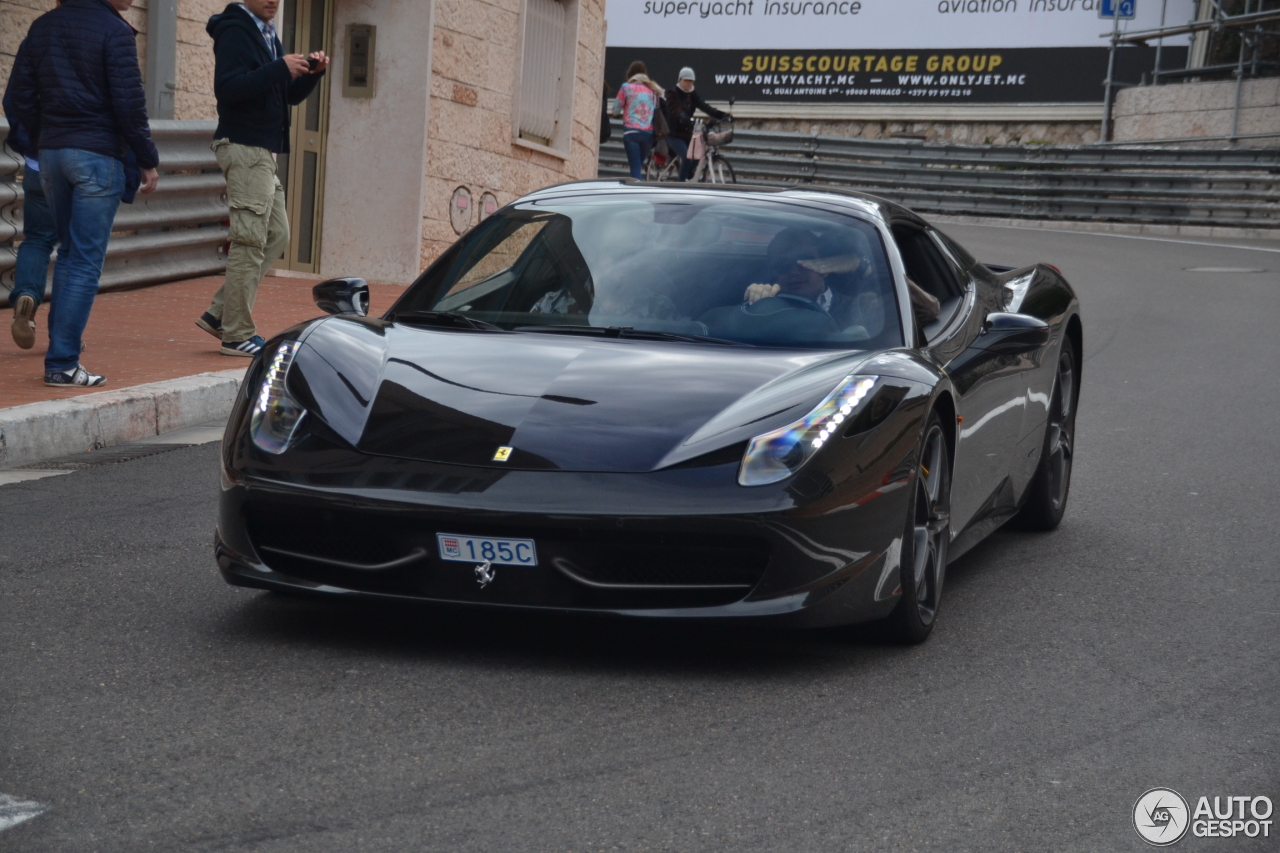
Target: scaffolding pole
1111,73
1164,9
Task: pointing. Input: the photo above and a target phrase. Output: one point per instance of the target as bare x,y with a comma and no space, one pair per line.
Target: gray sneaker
24,321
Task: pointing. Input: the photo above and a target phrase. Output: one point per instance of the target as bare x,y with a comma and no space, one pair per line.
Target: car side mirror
1012,333
342,296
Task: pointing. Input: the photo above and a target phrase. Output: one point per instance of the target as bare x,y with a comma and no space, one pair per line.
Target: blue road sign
1122,9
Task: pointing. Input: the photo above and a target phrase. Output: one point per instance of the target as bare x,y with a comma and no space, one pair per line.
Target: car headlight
276,415
777,455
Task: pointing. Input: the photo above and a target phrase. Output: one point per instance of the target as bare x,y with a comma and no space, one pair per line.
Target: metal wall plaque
361,44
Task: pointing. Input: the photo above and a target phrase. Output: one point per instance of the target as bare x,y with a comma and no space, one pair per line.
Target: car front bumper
687,544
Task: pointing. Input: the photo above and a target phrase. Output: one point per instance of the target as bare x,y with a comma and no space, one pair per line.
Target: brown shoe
24,322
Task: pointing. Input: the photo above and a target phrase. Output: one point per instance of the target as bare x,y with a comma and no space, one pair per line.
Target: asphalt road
151,707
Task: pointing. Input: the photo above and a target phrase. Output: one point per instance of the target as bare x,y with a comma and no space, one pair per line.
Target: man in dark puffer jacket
77,91
255,83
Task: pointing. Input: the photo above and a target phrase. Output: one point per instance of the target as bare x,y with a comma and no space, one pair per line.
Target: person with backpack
638,102
681,102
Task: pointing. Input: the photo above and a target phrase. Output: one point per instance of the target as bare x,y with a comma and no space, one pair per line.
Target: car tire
1046,500
925,539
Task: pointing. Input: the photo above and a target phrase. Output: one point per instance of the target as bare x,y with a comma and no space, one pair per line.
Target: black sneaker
248,348
78,378
210,324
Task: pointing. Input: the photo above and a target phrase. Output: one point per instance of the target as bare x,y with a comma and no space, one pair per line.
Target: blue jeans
39,236
679,146
638,144
84,191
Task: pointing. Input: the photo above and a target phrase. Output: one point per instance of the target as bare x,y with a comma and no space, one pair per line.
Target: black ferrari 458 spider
661,401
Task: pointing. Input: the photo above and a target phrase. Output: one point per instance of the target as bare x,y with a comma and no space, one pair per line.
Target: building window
544,110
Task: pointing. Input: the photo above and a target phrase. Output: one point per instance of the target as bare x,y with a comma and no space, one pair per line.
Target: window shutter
544,33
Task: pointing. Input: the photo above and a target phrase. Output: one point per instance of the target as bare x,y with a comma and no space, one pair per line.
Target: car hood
561,402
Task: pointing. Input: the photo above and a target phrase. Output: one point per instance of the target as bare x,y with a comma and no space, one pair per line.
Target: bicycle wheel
650,171
705,172
671,170
724,171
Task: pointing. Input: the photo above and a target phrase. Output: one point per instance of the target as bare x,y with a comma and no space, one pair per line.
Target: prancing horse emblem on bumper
502,455
485,573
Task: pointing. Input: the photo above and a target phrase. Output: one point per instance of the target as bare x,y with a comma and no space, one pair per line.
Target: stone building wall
194,96
469,134
1183,110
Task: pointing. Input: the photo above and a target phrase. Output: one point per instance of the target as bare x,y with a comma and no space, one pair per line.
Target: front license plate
477,549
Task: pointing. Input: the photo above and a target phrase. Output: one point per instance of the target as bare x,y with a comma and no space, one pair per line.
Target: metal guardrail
1203,186
175,232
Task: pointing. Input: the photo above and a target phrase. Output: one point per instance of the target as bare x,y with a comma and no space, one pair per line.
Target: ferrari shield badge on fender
502,454
485,573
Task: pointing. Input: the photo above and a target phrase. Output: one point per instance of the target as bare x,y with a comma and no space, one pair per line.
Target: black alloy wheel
1046,501
925,539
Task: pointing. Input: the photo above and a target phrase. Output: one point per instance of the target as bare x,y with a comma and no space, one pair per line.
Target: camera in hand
312,62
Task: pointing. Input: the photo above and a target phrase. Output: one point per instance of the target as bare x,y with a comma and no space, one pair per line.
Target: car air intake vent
663,565
730,455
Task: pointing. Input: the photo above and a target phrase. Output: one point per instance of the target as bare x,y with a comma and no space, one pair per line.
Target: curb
1136,229
55,428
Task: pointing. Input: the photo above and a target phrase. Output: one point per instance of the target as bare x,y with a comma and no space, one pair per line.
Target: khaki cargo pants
259,233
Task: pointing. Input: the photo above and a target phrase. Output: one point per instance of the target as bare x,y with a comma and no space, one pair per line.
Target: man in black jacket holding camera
255,83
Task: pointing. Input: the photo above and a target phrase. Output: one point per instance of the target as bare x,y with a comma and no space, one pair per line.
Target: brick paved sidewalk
148,335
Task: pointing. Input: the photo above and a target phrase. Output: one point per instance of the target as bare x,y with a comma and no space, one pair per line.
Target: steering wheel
796,301
773,321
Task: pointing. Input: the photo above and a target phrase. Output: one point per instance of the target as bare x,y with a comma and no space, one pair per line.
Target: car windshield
714,268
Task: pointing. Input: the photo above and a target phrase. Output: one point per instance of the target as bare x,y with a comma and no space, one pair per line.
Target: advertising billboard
886,51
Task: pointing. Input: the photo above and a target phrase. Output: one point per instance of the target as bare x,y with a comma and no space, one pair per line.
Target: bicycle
662,167
714,167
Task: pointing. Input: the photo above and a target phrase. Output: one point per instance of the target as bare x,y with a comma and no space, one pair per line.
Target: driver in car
799,270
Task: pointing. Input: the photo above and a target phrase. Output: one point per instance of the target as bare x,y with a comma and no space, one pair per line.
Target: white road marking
7,477
1122,236
1224,269
14,811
